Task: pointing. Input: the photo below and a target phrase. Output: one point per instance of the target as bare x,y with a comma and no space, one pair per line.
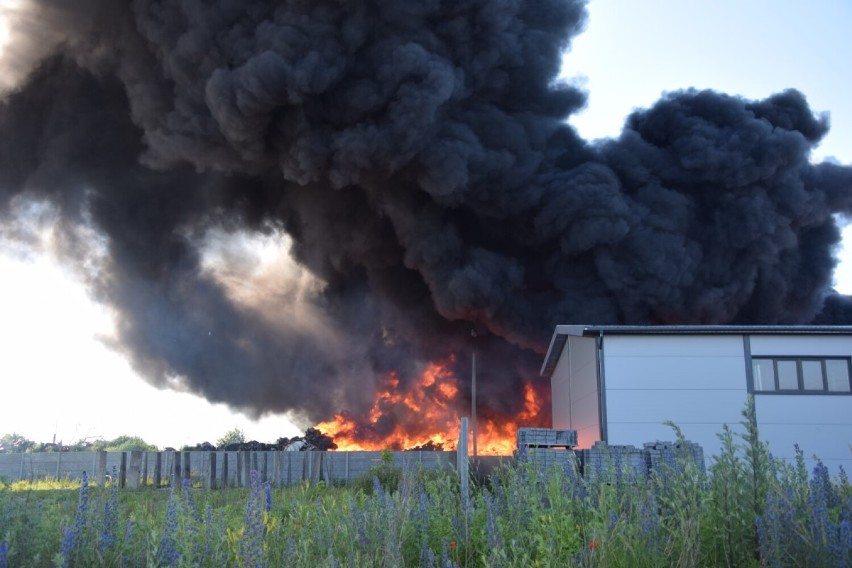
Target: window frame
800,377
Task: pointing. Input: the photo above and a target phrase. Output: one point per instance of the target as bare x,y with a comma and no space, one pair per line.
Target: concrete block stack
547,448
657,453
546,458
546,438
604,460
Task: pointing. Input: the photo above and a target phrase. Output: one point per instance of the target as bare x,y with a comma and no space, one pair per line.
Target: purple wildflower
492,529
774,526
128,537
67,547
267,490
446,560
189,497
378,491
82,506
841,550
290,552
167,553
251,542
106,538
72,536
359,520
649,523
427,556
4,555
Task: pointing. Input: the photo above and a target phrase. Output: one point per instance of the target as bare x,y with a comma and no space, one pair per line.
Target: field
745,510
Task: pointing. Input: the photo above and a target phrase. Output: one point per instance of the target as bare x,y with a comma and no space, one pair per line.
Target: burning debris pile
312,440
412,164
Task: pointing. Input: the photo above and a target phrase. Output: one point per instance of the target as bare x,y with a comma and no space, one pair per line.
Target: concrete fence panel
211,469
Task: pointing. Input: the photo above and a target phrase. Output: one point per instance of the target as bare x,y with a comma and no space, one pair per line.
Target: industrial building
619,384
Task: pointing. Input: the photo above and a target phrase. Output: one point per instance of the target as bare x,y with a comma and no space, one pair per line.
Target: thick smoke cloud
415,154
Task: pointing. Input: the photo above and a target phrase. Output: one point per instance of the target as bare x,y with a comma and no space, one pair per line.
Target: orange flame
428,410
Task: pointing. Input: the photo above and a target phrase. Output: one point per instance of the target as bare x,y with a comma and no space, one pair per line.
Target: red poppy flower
452,544
593,545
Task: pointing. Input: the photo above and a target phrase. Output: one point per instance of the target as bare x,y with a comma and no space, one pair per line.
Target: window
764,374
800,374
837,374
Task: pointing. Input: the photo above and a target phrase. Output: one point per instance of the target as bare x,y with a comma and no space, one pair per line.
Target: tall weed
746,510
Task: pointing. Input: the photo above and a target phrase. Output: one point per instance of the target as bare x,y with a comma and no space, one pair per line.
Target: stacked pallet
658,453
546,438
547,448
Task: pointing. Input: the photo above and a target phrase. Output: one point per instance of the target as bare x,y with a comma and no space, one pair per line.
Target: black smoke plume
415,157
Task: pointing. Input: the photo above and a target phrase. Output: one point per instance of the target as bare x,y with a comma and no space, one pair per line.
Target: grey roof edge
557,343
561,333
706,329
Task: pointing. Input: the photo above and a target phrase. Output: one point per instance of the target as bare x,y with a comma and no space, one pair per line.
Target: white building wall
560,391
585,399
697,382
574,391
821,424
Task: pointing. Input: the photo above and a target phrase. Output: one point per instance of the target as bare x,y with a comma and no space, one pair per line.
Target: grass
747,509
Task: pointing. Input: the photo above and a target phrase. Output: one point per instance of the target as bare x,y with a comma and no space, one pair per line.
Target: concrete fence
214,469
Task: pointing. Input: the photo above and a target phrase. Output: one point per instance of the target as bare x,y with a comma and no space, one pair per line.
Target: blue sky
634,51
631,53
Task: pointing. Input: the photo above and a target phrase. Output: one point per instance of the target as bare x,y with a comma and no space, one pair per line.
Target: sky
59,380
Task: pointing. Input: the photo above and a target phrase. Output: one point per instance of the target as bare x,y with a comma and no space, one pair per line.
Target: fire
428,410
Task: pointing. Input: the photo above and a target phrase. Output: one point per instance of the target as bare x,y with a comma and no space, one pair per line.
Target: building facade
620,384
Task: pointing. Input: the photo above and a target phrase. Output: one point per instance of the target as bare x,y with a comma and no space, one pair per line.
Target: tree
14,443
234,436
124,444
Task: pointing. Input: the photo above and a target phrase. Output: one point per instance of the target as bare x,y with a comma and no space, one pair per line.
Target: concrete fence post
307,465
316,467
211,470
122,471
224,469
134,470
176,473
158,470
145,469
276,468
100,470
328,461
187,458
246,468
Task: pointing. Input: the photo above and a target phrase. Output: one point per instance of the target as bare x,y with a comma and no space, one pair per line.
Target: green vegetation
15,443
123,444
235,436
746,510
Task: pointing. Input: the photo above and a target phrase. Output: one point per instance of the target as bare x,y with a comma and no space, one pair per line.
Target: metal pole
473,402
461,456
